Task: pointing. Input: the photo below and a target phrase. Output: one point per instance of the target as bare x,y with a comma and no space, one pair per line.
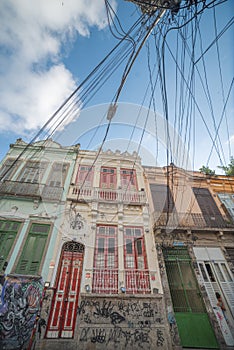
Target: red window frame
106,250
134,247
105,275
135,262
108,178
128,179
84,175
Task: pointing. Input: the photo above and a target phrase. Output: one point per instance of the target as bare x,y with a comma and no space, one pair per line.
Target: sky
48,48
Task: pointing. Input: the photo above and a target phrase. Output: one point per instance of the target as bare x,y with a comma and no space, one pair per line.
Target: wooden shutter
85,176
228,200
128,179
108,178
57,175
8,169
216,277
208,207
30,259
230,252
8,232
162,198
32,172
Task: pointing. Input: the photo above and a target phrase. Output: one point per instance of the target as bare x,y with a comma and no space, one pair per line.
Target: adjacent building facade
98,251
194,231
34,182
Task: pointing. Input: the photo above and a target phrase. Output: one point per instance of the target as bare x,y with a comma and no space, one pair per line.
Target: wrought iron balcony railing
109,281
191,220
33,190
16,188
107,195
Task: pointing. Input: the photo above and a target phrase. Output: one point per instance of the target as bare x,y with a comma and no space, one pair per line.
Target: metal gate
63,312
192,320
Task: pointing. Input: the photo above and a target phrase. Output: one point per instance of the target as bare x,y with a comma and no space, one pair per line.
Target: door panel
192,320
62,319
195,330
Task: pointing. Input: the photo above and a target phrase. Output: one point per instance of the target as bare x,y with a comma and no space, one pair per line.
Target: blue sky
48,49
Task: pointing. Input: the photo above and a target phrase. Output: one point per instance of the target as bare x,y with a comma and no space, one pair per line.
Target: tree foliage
206,170
229,169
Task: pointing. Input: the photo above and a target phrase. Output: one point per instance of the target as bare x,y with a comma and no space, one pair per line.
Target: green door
192,320
8,232
33,250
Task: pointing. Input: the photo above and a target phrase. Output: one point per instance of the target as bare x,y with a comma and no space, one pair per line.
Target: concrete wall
121,322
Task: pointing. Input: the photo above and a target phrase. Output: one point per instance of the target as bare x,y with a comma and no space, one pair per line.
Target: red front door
63,312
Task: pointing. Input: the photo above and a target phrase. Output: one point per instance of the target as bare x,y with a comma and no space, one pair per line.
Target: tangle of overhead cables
88,86
127,69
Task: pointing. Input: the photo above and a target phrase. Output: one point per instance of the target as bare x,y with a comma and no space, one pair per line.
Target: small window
101,245
219,273
210,272
203,272
36,228
128,232
111,245
139,246
226,272
129,246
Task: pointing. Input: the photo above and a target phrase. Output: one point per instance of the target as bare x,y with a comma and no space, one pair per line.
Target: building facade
34,182
98,251
194,235
106,289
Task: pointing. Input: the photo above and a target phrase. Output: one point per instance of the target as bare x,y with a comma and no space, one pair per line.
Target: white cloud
231,140
34,81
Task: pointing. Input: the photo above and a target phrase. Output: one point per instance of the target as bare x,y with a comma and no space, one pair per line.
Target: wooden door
63,312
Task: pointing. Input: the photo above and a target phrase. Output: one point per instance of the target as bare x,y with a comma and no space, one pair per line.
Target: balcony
30,190
190,220
52,193
89,194
21,189
106,281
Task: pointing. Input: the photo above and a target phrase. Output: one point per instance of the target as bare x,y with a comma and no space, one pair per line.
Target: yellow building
194,235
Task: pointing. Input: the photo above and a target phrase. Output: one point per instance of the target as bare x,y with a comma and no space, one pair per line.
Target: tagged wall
19,306
123,323
120,322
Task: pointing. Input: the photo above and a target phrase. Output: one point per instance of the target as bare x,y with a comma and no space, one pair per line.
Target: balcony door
108,182
128,179
135,261
105,275
108,178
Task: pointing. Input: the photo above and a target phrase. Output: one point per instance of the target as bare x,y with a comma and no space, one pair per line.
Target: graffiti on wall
122,323
20,299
